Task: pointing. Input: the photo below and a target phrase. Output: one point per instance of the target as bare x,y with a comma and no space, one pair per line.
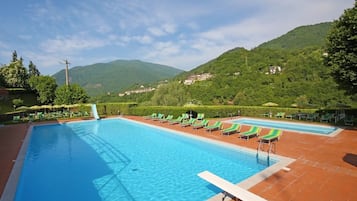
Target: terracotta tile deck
325,167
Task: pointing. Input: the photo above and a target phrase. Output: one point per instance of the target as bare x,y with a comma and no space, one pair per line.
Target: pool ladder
271,146
271,149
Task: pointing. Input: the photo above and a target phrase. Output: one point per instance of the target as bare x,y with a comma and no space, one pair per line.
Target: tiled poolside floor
325,167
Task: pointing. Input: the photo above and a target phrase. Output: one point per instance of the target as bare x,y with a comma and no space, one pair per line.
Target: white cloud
47,63
25,37
162,30
169,28
3,45
156,31
163,49
142,39
44,11
71,44
193,25
185,60
127,40
124,39
4,55
184,54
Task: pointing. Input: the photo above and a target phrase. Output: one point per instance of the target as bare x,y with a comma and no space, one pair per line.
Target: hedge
215,111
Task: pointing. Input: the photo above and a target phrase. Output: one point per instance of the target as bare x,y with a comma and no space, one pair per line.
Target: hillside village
200,77
137,91
189,81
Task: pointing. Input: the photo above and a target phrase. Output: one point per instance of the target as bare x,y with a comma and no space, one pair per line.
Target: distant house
193,78
204,76
236,73
189,82
274,69
137,91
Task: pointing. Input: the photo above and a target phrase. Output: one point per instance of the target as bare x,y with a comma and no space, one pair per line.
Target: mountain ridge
300,37
117,75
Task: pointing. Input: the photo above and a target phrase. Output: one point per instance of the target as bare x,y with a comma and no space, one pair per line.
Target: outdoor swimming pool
116,159
297,127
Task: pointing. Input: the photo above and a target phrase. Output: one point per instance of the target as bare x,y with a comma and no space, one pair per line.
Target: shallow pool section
116,159
297,127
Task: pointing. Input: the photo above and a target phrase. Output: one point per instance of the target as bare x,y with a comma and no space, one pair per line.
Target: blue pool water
116,159
325,130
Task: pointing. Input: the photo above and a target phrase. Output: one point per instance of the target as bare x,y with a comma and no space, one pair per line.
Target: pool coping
333,134
11,185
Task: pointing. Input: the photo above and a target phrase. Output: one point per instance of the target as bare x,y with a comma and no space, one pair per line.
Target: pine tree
33,71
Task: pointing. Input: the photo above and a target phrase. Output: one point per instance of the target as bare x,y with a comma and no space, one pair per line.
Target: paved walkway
325,167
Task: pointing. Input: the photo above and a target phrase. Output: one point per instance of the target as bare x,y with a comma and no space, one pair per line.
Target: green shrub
215,111
114,108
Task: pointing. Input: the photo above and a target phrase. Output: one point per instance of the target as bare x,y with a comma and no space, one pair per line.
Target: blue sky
179,33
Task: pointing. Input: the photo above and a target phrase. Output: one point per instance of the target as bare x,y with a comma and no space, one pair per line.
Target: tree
170,94
302,101
79,95
14,56
2,78
70,94
63,95
45,87
342,50
240,98
33,71
15,74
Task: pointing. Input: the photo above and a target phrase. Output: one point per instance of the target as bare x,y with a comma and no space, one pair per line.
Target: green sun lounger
168,118
273,135
216,126
16,118
159,117
252,132
200,124
176,121
280,115
200,116
233,129
188,122
153,115
185,116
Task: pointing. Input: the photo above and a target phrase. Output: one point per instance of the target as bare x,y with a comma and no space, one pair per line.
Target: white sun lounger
229,188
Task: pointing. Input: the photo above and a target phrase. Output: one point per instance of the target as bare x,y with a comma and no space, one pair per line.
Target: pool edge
332,134
12,182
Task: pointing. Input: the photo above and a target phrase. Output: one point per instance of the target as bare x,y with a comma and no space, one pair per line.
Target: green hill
311,36
301,37
113,77
286,70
